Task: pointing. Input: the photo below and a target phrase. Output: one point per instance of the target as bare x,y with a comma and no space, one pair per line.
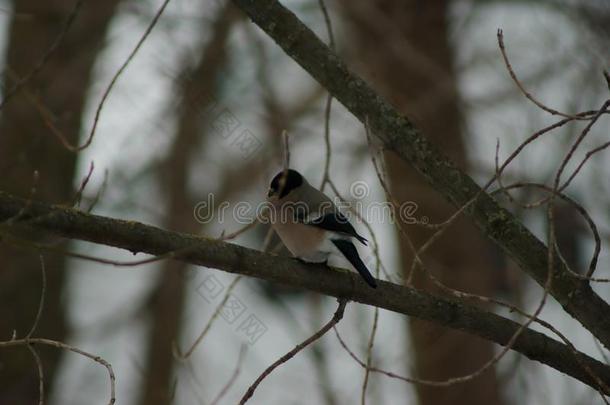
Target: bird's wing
335,222
348,250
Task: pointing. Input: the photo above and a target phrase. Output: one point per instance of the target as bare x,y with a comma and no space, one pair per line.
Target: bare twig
374,369
329,99
40,374
183,356
238,232
233,378
326,172
329,26
79,193
330,324
99,193
369,357
570,153
581,210
43,291
286,155
28,341
509,67
116,76
53,343
499,174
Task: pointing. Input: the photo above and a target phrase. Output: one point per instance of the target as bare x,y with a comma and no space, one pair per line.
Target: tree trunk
194,93
27,145
403,49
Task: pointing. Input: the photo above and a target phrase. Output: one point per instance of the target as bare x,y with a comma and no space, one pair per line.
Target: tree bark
27,145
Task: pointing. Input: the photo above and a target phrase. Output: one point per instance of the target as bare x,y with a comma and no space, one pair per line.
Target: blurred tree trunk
26,145
195,93
403,48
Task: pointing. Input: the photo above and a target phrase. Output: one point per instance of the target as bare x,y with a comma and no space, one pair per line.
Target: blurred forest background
200,110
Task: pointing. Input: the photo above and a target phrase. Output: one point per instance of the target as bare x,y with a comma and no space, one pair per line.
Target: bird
310,225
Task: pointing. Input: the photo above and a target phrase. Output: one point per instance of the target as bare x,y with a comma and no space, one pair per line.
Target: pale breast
303,241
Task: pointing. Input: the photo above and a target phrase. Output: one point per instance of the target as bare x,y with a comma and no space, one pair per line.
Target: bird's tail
348,250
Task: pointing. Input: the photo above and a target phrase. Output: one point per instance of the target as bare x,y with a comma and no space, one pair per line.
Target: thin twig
60,345
333,321
116,76
509,67
286,155
329,99
369,356
43,292
40,374
581,210
499,175
233,378
79,193
99,193
176,350
238,232
581,137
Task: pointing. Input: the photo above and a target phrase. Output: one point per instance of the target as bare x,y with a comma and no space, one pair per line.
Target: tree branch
402,137
136,237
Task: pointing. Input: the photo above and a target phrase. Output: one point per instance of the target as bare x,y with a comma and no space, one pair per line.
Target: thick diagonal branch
402,137
137,237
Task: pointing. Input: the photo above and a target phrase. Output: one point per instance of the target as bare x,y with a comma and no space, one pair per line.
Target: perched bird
310,225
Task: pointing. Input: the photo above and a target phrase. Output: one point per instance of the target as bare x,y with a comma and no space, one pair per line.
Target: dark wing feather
336,222
348,250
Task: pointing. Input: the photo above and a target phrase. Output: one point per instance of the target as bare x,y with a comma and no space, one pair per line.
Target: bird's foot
324,263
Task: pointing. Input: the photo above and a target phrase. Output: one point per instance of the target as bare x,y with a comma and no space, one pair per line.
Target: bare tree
456,321
52,47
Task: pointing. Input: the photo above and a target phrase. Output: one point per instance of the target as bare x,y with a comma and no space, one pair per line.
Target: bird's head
283,183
